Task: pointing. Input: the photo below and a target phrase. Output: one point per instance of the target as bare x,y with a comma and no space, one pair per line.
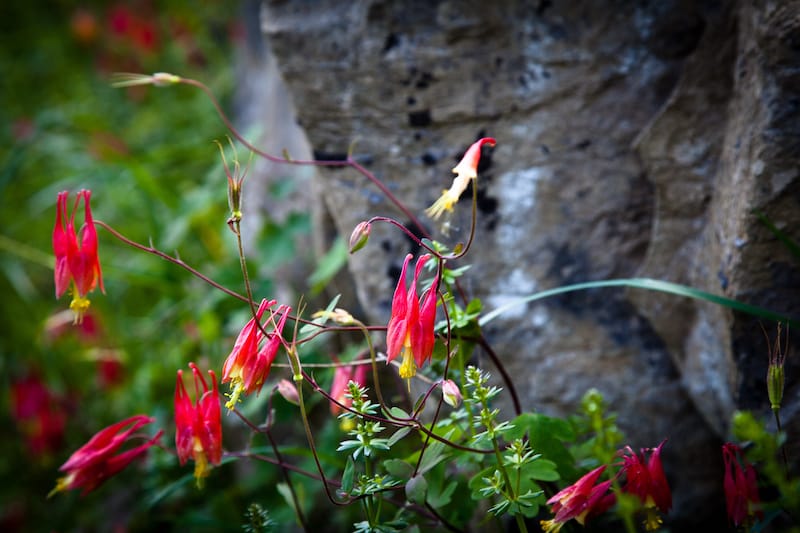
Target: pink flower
581,501
247,366
95,461
645,479
77,260
341,377
466,170
410,328
741,488
198,427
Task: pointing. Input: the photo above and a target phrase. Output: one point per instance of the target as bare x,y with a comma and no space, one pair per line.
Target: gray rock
633,140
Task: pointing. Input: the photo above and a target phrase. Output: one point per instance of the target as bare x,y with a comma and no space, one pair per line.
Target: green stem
312,446
775,411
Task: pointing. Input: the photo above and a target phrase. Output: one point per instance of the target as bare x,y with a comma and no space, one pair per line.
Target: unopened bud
775,380
289,392
359,237
775,373
451,393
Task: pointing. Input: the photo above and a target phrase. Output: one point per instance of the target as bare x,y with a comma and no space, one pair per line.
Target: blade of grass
647,284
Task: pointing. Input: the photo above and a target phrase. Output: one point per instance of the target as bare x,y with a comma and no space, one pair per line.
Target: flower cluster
95,462
247,366
410,328
644,478
77,261
741,488
581,501
198,428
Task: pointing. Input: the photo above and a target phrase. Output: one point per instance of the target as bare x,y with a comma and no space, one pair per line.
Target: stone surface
633,140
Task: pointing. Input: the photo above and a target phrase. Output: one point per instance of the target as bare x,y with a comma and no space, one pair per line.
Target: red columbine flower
95,461
410,328
341,377
581,501
741,487
247,367
198,427
645,479
76,254
466,170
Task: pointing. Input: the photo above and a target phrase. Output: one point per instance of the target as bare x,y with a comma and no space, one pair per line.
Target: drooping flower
580,501
357,373
741,487
95,461
198,426
645,478
410,328
466,170
77,260
247,366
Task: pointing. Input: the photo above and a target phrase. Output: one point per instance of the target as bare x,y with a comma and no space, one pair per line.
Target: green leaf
541,469
398,436
398,468
547,436
791,245
308,329
328,266
348,475
417,489
286,493
434,453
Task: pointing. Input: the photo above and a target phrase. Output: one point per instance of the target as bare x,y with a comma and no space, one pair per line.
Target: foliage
397,455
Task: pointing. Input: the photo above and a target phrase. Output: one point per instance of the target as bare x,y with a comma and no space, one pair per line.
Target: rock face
633,140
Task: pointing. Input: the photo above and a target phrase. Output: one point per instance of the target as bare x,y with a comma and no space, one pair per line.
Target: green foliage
405,460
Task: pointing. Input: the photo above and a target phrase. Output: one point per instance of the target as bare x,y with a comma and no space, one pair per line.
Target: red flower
741,487
645,479
247,367
198,427
95,461
466,170
410,328
581,501
341,377
76,255
39,414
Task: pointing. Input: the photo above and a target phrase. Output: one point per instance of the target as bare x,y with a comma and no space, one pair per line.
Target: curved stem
349,162
312,446
298,509
169,258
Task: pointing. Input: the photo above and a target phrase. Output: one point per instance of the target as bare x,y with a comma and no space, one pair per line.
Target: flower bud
359,237
775,386
289,392
451,393
775,373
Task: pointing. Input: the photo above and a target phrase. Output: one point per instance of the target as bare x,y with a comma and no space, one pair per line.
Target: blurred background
148,156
